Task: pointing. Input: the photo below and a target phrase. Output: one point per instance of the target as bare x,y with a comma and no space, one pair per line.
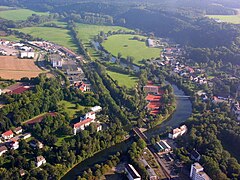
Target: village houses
177,132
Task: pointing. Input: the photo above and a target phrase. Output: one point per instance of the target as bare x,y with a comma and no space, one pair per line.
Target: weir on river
182,113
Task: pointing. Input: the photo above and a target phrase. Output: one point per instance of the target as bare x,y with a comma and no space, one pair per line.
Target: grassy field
58,23
123,79
56,35
18,14
87,31
10,38
234,19
127,47
70,108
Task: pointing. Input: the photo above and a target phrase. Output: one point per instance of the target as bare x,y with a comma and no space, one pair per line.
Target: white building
24,54
40,160
96,108
7,135
91,115
197,172
56,60
81,125
177,132
132,174
14,145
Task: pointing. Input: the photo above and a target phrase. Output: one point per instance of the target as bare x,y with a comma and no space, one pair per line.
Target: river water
182,113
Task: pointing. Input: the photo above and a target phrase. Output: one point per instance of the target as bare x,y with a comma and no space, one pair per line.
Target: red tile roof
85,121
151,97
154,112
8,133
154,105
20,90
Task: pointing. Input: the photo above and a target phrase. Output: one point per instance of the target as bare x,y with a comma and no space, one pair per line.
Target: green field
70,108
127,47
234,19
57,35
58,23
123,79
10,38
87,31
18,14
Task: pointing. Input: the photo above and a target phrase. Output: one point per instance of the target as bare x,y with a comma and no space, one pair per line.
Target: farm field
10,38
128,47
87,31
234,19
123,79
14,68
57,35
70,108
18,14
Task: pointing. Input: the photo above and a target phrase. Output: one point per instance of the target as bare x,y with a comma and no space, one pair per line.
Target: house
99,127
25,54
81,125
3,149
83,86
195,155
178,132
7,135
151,89
35,143
163,146
22,172
26,136
150,42
197,172
40,160
91,115
14,144
18,130
96,109
132,174
56,60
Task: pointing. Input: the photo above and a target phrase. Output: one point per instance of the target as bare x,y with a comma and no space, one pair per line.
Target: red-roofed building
83,86
153,105
154,112
151,89
152,98
7,134
81,125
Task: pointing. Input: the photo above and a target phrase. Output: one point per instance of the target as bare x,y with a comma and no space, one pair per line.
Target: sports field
57,35
234,19
14,68
18,14
123,79
128,47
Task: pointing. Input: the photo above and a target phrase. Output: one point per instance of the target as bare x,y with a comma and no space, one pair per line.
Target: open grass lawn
58,23
87,31
57,35
61,138
70,108
10,38
18,14
128,47
235,19
123,79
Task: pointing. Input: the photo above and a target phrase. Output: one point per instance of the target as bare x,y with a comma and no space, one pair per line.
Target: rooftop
8,133
81,123
132,171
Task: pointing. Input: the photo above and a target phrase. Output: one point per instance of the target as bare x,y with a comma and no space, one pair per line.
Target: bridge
140,134
182,97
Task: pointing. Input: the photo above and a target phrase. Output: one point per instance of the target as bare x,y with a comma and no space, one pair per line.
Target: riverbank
182,112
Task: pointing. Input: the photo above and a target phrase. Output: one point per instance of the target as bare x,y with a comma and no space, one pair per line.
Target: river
181,114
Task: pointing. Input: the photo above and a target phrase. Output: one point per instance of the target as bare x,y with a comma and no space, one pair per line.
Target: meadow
234,19
87,31
18,14
128,47
123,79
57,35
10,38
